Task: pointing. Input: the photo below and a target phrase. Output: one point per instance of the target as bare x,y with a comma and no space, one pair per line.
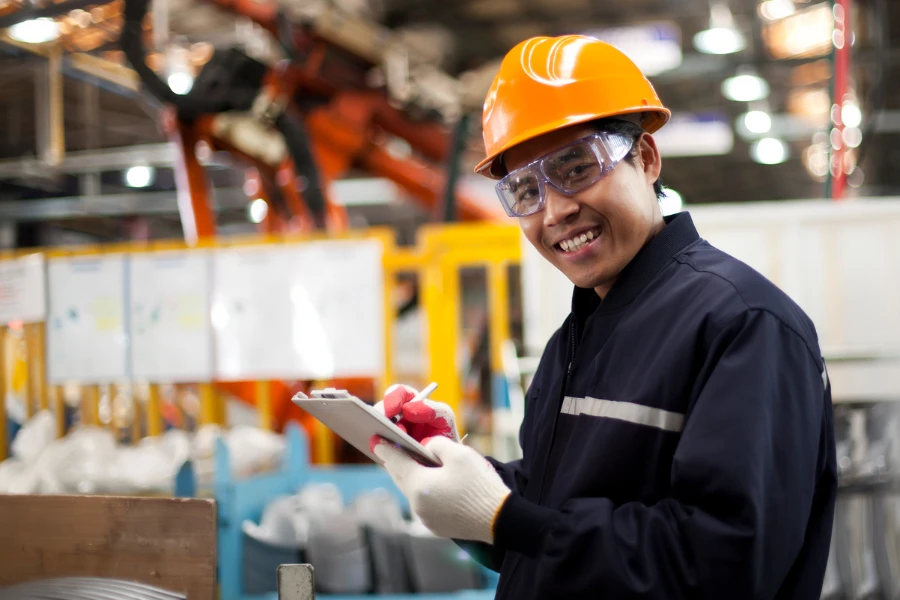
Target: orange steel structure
347,128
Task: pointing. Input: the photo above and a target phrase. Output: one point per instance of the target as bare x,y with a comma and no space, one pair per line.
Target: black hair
633,131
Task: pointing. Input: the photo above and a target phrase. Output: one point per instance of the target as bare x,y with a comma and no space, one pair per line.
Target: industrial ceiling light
746,86
852,137
180,82
769,151
139,176
180,77
35,31
772,10
722,37
757,121
851,115
258,210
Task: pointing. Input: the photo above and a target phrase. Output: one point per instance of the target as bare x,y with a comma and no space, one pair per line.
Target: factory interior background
181,253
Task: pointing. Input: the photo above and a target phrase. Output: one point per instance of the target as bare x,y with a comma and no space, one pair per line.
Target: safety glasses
569,170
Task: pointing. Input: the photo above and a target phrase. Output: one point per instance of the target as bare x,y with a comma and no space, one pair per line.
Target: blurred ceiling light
258,210
180,82
806,33
815,159
719,40
769,151
251,186
671,202
772,10
811,104
811,73
722,37
35,31
758,121
745,88
852,137
180,76
856,178
654,47
139,176
80,17
851,115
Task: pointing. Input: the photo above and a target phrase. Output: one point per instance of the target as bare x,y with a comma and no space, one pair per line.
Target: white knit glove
460,499
422,419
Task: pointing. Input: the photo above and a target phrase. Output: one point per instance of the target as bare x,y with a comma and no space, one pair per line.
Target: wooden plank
165,542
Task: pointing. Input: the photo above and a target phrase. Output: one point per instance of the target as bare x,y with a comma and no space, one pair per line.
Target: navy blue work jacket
678,441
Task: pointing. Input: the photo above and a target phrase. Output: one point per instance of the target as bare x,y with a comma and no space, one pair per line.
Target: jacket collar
678,234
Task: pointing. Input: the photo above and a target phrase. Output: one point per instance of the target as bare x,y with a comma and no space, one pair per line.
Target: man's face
617,215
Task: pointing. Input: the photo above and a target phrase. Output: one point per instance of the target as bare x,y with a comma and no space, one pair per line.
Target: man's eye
579,172
527,194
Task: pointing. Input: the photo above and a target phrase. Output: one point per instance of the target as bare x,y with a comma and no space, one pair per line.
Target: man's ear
651,161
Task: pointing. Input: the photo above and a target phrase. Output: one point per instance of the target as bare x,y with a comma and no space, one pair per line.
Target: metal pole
4,419
460,131
57,143
843,36
90,119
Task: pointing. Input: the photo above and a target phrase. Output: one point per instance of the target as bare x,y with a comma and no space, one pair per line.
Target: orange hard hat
548,83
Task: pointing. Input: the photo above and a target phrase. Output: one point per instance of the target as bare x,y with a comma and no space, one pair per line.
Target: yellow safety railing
436,259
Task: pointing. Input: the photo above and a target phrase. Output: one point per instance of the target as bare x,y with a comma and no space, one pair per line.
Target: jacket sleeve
743,479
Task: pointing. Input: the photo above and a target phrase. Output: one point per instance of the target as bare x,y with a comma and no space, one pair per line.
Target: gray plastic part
296,582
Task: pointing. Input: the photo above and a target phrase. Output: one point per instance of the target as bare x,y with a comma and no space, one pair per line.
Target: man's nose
558,207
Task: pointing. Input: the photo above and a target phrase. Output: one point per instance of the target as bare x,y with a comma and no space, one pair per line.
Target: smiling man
678,438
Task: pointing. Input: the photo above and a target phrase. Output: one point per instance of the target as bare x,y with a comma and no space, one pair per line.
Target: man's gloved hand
422,419
460,499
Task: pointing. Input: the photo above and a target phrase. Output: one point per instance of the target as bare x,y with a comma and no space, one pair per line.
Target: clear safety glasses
569,169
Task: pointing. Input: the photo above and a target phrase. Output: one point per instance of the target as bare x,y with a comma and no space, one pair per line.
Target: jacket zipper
562,398
571,359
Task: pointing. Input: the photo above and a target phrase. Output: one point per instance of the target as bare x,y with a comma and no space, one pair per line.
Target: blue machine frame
238,500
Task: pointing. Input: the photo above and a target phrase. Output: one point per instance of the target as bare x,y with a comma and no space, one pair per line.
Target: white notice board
23,295
303,311
169,297
86,332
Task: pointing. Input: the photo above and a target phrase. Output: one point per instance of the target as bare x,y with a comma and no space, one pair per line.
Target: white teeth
578,242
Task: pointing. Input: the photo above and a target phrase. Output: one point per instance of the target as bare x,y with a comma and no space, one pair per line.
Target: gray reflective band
624,411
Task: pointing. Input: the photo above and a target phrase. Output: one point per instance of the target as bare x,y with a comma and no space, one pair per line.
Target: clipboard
355,421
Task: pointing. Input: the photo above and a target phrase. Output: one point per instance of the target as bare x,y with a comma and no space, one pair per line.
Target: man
678,438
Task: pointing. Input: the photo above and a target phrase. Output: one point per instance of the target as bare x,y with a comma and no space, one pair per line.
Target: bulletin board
23,295
87,337
313,311
169,299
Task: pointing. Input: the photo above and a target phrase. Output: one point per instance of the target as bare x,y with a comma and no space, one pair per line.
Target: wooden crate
165,542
